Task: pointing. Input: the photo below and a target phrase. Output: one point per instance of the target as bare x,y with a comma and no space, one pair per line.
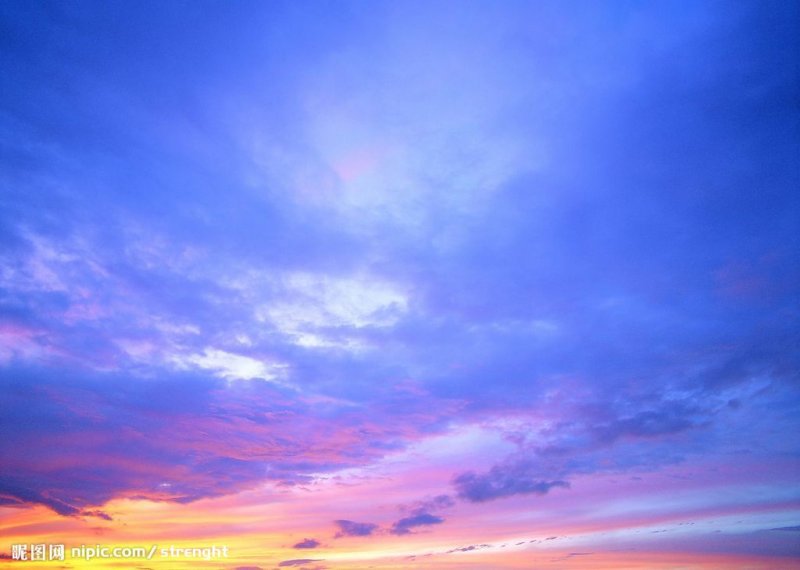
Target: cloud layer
257,247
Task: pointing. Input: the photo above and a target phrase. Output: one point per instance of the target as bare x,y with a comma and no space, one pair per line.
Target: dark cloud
222,438
307,543
352,528
19,492
787,528
470,548
502,481
572,555
406,524
97,513
298,562
599,436
648,423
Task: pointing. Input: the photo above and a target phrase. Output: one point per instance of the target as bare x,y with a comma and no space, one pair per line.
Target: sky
399,284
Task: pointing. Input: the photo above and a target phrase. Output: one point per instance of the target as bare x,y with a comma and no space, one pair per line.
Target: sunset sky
481,285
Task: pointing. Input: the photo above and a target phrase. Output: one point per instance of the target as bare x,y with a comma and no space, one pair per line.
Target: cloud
787,528
97,513
307,543
17,492
500,482
590,434
352,528
232,366
209,438
404,525
470,548
298,562
431,504
671,418
572,555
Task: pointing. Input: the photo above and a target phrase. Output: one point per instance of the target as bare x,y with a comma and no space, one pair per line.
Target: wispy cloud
298,562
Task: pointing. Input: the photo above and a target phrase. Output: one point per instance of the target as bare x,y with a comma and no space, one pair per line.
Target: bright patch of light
316,304
232,366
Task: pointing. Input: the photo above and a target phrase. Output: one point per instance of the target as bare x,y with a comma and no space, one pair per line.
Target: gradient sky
446,285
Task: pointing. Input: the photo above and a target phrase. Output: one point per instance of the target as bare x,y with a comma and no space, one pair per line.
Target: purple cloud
500,482
787,528
406,524
352,528
307,543
431,504
97,513
179,438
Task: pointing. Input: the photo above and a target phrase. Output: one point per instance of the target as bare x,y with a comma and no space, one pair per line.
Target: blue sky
270,243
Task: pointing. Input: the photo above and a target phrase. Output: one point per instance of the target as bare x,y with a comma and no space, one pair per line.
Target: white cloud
232,366
315,304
